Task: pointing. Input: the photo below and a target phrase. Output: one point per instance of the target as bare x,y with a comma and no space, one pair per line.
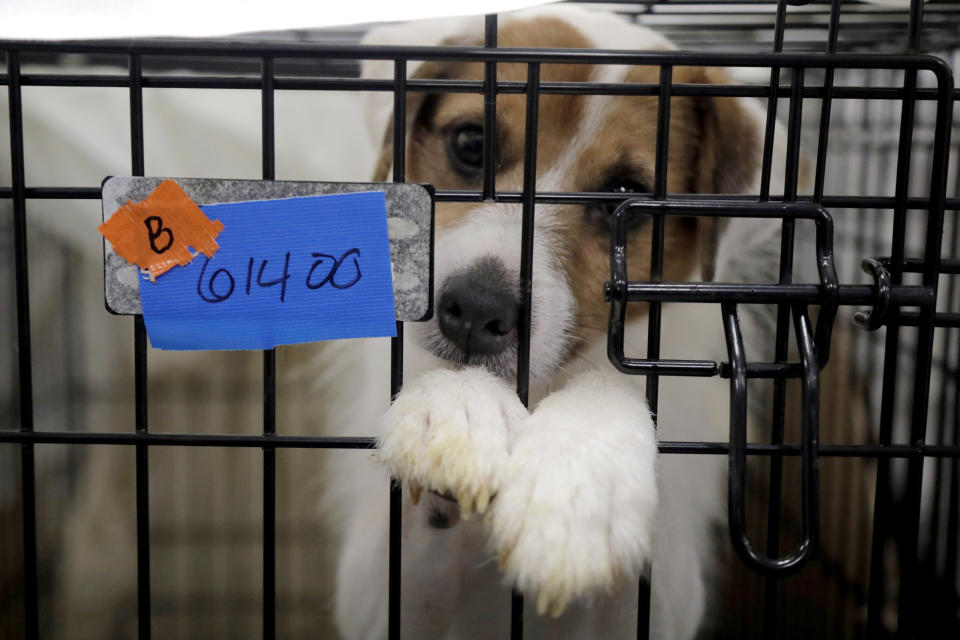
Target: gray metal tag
409,227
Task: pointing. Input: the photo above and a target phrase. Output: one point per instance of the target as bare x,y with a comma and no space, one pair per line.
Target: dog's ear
419,109
377,105
415,101
731,140
730,148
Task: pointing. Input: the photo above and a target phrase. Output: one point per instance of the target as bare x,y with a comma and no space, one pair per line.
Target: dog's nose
478,312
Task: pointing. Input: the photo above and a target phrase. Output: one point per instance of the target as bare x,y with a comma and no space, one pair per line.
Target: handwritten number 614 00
324,270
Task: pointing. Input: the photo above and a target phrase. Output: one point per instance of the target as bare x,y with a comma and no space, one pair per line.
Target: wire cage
867,95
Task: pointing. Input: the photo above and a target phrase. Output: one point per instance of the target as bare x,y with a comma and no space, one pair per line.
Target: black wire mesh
907,307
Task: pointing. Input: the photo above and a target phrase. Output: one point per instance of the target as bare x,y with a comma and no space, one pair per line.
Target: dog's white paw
574,514
449,432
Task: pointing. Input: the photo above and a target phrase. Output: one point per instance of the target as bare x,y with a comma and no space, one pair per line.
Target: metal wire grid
788,297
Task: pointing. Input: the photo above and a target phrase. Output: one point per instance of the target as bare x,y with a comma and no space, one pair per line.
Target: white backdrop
70,19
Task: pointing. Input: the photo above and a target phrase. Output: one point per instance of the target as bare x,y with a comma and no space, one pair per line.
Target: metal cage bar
895,451
490,111
269,385
142,415
396,356
778,419
526,276
942,474
554,197
910,580
845,92
883,502
24,361
644,604
826,105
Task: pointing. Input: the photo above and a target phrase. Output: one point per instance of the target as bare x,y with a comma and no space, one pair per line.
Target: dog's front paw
575,511
449,432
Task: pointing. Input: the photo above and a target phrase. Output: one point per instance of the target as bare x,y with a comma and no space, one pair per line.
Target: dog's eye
599,214
466,148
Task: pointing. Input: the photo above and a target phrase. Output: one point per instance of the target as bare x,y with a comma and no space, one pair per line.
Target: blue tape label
288,271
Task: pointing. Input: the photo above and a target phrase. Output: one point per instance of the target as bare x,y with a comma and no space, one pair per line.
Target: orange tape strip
156,234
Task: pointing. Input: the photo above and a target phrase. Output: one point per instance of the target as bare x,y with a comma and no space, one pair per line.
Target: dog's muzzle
478,308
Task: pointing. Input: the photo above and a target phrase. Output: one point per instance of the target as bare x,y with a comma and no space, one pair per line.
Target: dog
564,500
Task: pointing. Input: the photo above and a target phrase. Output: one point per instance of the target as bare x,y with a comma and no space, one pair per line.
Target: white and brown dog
568,495
570,499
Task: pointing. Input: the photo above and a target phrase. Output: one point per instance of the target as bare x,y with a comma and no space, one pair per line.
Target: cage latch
738,444
813,346
877,316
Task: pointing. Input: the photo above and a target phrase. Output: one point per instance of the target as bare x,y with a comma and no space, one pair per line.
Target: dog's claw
504,557
543,603
415,491
551,602
559,606
483,500
616,575
466,505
